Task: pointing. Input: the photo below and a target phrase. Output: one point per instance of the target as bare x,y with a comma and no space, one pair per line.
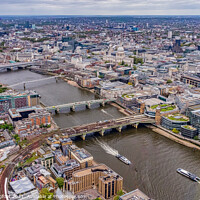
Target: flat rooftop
195,107
135,195
100,167
153,101
82,154
22,186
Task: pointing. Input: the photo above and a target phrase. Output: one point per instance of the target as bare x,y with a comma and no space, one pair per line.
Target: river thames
154,157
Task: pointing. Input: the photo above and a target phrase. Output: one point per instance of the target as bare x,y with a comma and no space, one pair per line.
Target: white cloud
99,7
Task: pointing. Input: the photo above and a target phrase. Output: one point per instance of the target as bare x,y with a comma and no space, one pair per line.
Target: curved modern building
188,131
174,121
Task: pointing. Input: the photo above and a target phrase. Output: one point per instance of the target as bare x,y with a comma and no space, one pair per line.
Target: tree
17,138
60,181
129,83
169,81
120,192
45,194
101,76
196,137
134,67
174,130
138,60
116,197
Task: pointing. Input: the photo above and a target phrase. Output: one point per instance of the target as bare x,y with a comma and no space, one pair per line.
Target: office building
47,160
174,121
100,176
30,171
16,100
66,170
83,157
191,80
169,34
189,131
193,112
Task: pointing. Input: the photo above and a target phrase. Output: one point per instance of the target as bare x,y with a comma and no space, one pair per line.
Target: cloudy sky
99,7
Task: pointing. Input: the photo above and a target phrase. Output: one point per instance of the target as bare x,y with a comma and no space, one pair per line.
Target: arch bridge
78,106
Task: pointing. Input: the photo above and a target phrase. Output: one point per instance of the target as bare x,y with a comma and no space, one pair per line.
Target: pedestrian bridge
102,126
78,106
33,81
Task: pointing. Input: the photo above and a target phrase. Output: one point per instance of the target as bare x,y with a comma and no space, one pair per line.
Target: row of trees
2,89
6,126
33,40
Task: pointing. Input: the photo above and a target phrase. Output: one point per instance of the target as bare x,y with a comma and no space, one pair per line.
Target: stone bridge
15,66
78,106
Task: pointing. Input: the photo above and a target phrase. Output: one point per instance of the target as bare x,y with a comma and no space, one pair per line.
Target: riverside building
10,99
107,182
174,121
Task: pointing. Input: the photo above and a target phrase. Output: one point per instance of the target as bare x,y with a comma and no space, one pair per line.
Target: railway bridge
102,126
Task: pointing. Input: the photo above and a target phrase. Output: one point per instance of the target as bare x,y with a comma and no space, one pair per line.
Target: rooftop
189,127
82,154
135,195
100,167
164,107
23,185
178,117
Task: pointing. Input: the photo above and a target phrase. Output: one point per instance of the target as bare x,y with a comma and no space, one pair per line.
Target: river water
154,157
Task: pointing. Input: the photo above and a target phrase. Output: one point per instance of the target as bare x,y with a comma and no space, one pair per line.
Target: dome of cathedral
120,49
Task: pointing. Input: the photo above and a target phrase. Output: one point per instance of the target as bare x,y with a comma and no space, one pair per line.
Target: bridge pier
103,103
89,105
102,132
83,137
135,125
119,129
73,108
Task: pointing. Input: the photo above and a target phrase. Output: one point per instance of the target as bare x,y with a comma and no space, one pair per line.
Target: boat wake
107,148
102,110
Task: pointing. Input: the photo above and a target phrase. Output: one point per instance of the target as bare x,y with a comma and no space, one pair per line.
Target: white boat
123,159
188,174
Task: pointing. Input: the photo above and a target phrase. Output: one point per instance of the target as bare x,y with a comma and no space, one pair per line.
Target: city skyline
102,7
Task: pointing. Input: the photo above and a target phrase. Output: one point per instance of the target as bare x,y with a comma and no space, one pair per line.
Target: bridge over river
15,66
102,126
78,106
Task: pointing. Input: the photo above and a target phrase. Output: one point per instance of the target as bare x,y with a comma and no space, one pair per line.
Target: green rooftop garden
189,127
164,107
168,108
178,117
128,96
